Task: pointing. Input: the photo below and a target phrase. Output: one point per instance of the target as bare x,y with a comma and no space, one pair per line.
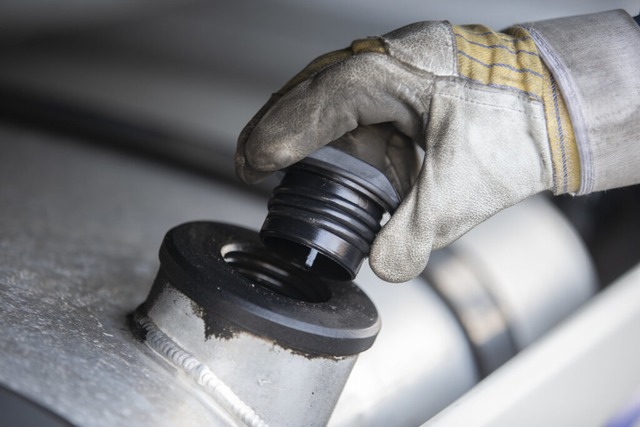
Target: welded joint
198,371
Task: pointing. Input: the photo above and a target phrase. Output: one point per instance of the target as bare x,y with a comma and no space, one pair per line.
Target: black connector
326,212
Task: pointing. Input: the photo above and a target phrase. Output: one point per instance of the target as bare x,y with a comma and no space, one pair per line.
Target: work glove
482,105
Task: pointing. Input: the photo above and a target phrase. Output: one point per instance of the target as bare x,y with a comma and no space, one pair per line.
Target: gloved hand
483,106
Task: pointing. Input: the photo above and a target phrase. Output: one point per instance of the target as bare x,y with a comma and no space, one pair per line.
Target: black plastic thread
264,270
326,212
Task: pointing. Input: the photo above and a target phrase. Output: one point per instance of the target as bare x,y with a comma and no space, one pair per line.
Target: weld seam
199,372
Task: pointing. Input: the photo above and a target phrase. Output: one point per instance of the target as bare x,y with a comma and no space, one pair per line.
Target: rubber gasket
342,321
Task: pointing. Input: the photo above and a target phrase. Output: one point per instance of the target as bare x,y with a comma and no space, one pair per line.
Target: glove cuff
511,61
594,60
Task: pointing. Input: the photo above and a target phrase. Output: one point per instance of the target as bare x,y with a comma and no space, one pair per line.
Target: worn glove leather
482,105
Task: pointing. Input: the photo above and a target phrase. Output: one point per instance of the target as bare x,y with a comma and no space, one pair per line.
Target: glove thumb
401,249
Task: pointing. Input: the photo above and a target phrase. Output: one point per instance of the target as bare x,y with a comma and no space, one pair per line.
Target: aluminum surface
420,362
484,323
583,373
183,360
282,387
513,278
79,234
533,263
527,256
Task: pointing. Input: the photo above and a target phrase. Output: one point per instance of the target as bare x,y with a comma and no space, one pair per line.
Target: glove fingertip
392,262
246,173
269,155
252,176
401,249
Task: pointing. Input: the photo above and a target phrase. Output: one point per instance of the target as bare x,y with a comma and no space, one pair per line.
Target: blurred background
177,80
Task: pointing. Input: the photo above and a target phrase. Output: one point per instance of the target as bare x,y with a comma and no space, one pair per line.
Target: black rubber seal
258,292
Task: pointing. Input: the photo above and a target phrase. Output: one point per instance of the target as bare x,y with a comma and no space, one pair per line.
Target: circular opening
309,259
265,270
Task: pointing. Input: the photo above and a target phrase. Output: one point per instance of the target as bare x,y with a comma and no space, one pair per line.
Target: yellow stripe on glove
511,60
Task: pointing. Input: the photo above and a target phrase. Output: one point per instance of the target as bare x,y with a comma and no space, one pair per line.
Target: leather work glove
484,107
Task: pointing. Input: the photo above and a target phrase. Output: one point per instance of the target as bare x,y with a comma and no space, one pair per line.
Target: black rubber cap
235,281
326,212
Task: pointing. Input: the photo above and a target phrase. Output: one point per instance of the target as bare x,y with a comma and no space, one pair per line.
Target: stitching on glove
582,150
368,45
486,104
320,63
564,150
498,46
499,59
454,47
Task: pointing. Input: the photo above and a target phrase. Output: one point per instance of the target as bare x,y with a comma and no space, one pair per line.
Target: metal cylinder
494,291
270,344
